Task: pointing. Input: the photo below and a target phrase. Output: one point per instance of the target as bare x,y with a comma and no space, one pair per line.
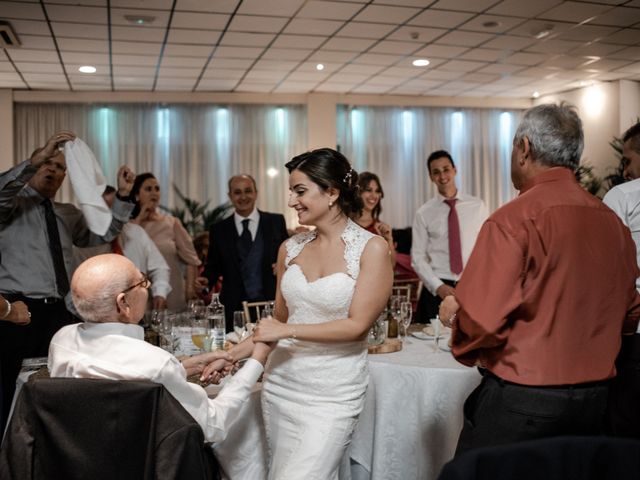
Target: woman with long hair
170,237
368,217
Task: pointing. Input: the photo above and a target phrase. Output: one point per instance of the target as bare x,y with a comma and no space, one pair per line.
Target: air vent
8,38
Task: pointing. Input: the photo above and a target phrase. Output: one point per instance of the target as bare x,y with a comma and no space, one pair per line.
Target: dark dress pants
499,412
623,410
25,341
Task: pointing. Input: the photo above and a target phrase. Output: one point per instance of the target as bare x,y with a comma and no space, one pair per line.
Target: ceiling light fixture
421,62
272,172
140,19
491,24
535,94
319,66
87,69
542,32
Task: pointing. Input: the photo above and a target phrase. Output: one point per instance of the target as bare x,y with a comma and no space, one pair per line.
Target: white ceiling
366,46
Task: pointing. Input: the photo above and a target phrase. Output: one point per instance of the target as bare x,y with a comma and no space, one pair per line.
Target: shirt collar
553,174
114,328
253,216
442,198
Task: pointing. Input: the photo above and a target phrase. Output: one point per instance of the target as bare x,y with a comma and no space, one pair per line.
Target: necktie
455,247
62,281
116,247
245,237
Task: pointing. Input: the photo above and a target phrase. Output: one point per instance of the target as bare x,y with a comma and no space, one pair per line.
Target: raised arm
372,290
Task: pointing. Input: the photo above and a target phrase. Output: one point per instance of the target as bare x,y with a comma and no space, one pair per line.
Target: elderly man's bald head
96,284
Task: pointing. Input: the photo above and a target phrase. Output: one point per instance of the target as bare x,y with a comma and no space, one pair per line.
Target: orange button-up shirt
549,288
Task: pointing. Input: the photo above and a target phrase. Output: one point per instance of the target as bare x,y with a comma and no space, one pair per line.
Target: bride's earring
330,203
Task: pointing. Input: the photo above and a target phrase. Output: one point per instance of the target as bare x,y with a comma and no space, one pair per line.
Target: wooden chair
252,309
409,287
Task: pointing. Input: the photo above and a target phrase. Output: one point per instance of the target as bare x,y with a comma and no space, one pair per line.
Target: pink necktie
455,247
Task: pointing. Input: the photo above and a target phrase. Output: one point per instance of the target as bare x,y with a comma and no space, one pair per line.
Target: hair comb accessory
347,177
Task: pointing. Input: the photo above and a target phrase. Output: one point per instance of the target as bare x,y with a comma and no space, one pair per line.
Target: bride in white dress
332,283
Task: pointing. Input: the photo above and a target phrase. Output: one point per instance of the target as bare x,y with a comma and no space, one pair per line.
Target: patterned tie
455,247
245,237
62,280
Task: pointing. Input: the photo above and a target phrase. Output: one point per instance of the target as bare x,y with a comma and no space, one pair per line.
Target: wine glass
267,311
195,305
239,325
436,331
165,333
201,333
405,314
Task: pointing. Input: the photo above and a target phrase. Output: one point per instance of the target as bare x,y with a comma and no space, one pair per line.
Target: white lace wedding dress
313,392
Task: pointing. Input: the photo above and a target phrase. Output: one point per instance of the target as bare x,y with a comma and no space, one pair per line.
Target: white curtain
196,147
395,142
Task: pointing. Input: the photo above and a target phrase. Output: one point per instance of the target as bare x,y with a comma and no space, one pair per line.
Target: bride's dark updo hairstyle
330,169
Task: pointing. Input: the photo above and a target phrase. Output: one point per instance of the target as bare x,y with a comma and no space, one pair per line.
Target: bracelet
293,333
453,319
8,309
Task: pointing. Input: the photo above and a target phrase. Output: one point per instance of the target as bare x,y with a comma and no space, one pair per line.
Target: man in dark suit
244,248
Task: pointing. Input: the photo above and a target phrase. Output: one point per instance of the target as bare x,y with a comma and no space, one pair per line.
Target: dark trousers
428,304
623,410
499,412
25,341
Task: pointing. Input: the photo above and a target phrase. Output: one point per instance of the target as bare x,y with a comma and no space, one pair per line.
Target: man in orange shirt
546,296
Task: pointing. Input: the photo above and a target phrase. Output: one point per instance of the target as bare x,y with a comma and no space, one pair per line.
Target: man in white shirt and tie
444,232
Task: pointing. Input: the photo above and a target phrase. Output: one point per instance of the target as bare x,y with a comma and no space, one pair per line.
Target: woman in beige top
170,237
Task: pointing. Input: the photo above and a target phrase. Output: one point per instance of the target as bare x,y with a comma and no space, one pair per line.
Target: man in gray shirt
36,238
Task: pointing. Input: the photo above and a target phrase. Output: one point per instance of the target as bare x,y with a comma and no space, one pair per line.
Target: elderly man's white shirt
117,351
430,237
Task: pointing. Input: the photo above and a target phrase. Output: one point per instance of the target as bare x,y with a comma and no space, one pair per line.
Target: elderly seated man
111,295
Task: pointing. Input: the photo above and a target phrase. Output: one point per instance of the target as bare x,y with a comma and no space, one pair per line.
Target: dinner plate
421,335
444,331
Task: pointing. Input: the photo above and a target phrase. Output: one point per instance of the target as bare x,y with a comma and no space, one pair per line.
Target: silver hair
555,135
100,306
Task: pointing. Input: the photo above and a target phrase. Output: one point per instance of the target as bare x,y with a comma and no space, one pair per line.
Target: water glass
239,325
165,333
201,334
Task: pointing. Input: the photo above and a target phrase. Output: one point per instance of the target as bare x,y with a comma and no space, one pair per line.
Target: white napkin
88,184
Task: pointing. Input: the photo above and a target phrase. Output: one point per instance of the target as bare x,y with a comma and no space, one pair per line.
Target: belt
13,297
488,374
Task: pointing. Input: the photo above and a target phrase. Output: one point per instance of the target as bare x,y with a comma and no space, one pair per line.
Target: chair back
102,429
409,287
252,309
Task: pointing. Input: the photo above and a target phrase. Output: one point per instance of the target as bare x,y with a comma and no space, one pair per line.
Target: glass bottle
216,317
393,324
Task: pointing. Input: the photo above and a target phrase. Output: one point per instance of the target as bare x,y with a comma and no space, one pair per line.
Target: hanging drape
195,147
395,142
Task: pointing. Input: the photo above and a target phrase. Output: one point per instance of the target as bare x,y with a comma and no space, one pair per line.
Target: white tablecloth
408,429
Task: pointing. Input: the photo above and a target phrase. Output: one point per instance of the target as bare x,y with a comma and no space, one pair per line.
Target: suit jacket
223,259
75,428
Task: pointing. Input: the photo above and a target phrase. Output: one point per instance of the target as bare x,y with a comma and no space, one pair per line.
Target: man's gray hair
100,306
555,135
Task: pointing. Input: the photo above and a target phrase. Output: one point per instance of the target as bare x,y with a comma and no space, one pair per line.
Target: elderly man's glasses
144,283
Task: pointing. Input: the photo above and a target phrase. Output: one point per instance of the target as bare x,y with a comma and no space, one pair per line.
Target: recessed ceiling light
535,94
140,19
491,24
87,69
421,62
319,66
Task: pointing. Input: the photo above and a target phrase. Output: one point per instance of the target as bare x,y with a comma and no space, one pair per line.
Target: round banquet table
408,428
